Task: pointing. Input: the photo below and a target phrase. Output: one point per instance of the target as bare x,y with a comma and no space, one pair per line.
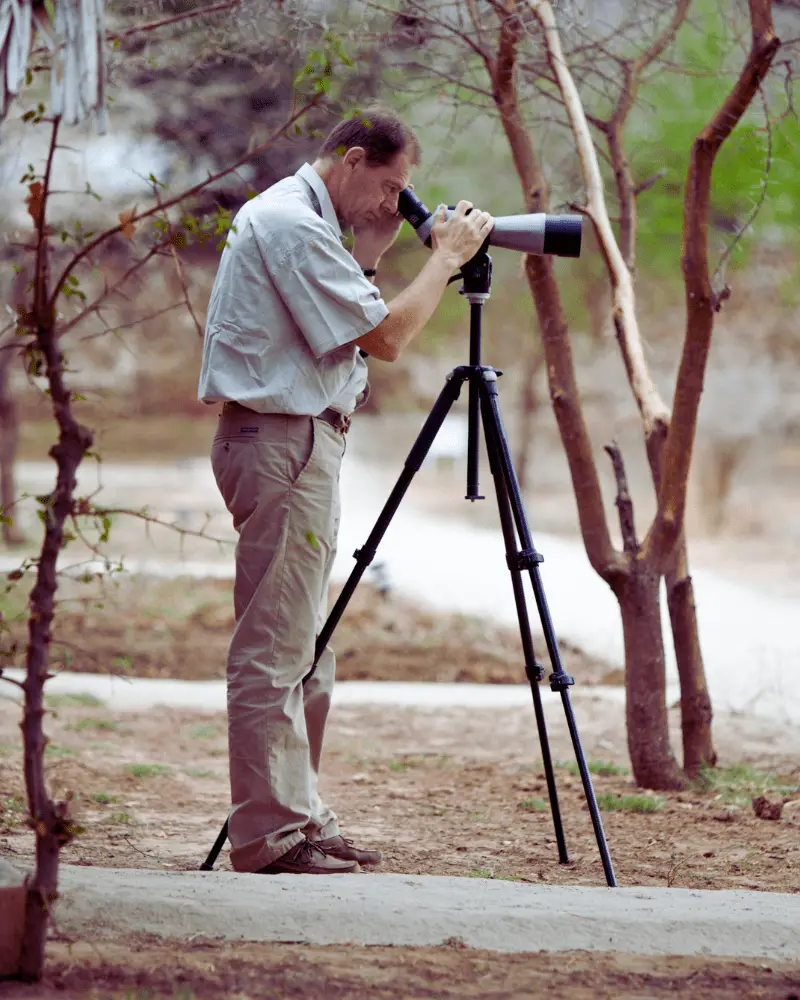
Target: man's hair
379,132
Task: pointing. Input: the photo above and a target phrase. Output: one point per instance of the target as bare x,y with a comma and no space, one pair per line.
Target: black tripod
483,403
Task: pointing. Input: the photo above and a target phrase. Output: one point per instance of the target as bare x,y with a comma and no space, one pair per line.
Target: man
290,314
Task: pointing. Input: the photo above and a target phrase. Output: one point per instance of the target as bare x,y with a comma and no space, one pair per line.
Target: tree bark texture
652,761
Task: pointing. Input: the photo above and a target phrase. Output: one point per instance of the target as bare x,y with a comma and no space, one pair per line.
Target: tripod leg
213,854
366,554
534,670
560,680
416,457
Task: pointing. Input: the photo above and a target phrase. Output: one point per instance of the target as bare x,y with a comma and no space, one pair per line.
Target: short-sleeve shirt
288,301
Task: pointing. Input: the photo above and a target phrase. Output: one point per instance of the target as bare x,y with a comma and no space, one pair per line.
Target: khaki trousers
279,478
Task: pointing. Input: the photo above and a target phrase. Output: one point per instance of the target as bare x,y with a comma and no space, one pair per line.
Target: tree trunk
696,714
528,406
654,765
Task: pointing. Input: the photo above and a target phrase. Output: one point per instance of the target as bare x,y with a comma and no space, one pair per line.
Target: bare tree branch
623,502
183,196
549,309
700,298
654,413
140,29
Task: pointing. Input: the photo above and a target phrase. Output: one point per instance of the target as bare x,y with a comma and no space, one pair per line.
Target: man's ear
354,156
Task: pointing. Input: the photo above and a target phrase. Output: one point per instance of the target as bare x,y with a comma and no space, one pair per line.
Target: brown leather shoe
339,847
306,858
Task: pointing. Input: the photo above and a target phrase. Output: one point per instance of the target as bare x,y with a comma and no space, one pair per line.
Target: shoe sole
310,871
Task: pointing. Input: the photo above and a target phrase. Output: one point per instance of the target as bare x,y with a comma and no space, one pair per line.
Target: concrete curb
404,910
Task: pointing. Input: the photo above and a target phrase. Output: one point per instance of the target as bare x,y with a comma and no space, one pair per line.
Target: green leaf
106,527
51,10
311,538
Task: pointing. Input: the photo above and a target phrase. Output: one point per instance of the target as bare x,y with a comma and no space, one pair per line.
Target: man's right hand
460,236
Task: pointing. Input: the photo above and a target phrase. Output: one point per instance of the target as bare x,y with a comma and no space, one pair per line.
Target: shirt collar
317,185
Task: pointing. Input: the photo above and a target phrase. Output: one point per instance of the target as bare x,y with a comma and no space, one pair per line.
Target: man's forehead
399,170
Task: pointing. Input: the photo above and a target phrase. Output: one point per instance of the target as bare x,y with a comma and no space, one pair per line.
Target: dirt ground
448,791
147,969
151,628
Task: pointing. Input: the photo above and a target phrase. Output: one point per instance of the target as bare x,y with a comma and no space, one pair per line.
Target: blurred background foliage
193,97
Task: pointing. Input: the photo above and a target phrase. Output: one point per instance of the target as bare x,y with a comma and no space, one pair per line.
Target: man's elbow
378,345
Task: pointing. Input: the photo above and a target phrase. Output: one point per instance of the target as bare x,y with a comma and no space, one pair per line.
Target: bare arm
411,309
455,241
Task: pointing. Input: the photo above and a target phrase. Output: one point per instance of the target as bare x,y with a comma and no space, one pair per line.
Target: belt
339,421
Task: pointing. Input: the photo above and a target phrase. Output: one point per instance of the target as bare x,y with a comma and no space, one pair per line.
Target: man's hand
461,236
372,241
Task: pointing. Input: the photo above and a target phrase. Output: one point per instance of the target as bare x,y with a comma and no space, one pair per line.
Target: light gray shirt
287,303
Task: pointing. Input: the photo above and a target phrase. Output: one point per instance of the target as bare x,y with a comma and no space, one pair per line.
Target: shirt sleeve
324,289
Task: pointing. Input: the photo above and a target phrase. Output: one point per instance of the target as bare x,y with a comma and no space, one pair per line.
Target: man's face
369,194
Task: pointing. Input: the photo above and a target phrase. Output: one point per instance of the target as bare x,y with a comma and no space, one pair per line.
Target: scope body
536,233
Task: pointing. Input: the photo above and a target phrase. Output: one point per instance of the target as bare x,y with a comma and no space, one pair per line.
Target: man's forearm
411,309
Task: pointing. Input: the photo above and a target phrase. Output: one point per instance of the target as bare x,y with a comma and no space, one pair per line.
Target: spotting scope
539,233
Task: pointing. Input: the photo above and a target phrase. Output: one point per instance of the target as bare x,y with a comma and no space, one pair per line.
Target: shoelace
307,848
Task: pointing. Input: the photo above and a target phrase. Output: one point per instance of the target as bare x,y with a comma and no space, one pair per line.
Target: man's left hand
373,240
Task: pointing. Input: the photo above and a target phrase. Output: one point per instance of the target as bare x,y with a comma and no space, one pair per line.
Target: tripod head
477,277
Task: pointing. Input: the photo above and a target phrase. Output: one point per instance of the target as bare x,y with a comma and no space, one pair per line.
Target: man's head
366,162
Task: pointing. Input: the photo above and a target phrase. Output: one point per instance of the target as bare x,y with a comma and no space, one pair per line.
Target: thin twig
184,195
185,288
624,503
153,26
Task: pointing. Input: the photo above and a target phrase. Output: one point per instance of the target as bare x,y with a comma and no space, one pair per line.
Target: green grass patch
147,770
630,803
68,700
405,763
488,873
601,767
198,772
121,819
94,724
103,798
204,731
533,805
55,750
13,810
741,783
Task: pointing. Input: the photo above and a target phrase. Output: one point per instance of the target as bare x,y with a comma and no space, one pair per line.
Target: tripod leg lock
535,672
560,682
524,559
365,555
